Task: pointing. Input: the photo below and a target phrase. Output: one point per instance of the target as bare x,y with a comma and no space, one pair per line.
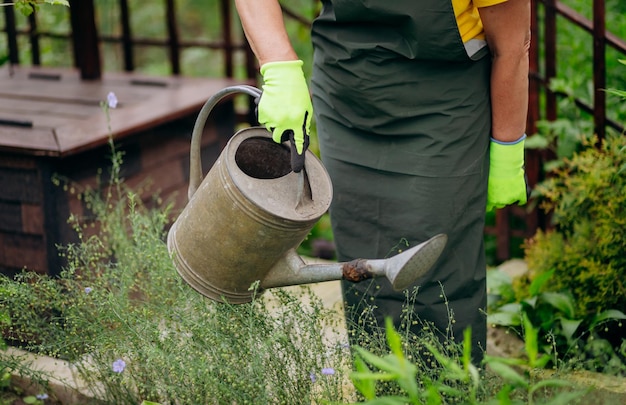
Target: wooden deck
53,124
52,112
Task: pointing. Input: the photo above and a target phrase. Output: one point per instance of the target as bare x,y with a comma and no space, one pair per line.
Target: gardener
421,111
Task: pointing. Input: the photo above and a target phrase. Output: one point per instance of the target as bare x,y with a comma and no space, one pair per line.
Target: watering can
244,221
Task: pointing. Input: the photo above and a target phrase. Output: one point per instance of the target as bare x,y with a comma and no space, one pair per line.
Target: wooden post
172,32
599,68
9,22
85,39
127,37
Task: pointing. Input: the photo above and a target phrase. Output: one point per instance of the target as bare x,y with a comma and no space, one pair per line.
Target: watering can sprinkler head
247,216
401,270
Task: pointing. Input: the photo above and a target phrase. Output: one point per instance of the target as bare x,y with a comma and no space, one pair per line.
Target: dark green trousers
403,119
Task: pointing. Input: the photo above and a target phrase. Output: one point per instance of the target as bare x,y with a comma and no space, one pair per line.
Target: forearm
264,28
507,29
509,96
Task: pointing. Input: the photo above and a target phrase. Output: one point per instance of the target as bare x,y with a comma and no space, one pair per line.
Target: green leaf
530,341
374,376
24,8
608,315
393,338
562,302
58,2
366,386
506,360
538,282
531,302
569,327
509,374
504,319
542,361
619,93
385,364
536,141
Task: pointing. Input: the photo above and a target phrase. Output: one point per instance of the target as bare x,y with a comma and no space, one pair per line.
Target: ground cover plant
136,333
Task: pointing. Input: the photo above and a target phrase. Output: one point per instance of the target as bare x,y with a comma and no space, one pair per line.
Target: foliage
585,250
27,7
619,93
574,57
566,338
455,380
135,331
562,136
12,394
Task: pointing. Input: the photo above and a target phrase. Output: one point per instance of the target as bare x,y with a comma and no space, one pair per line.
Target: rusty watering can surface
246,218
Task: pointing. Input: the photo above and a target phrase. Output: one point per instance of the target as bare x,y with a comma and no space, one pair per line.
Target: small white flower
328,371
118,366
111,100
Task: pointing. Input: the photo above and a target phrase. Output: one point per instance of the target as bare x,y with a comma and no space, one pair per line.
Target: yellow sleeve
468,18
487,3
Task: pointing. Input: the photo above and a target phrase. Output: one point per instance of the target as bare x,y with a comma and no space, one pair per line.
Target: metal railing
85,39
543,102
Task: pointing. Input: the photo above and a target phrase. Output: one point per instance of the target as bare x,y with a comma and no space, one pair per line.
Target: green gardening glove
285,107
507,181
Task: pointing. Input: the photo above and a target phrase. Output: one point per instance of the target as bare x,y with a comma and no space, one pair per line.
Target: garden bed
65,389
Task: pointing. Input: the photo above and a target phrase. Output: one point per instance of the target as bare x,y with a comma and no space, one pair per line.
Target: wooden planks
55,113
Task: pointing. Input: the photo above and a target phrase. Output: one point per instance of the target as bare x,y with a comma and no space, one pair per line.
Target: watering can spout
401,270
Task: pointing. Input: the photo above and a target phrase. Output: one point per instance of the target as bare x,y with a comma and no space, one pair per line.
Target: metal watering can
245,219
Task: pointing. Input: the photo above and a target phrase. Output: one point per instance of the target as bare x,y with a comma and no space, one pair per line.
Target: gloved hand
285,107
507,181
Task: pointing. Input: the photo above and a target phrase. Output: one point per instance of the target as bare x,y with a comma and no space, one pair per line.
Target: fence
543,103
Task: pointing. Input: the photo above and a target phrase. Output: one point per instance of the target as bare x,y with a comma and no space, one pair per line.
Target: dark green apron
404,119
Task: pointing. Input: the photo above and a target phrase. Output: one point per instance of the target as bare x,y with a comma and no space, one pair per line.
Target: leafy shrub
566,339
587,199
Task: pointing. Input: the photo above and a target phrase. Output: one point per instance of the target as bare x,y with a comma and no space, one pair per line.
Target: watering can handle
195,160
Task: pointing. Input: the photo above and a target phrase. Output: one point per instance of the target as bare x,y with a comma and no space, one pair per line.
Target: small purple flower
328,371
42,397
313,377
88,290
111,100
119,365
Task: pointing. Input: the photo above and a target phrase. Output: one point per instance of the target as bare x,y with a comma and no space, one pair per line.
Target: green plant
456,379
585,250
27,7
620,93
135,331
564,338
11,394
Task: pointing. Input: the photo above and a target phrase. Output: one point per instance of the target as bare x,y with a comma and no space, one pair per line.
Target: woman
421,112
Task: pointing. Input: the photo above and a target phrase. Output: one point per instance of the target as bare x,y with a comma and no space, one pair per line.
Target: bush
586,248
